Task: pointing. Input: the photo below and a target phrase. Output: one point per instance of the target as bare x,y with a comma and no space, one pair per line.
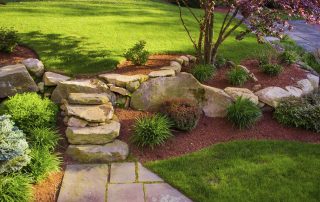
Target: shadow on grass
67,54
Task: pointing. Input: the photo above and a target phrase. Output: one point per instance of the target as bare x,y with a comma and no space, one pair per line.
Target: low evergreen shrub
137,54
14,150
243,113
272,69
30,111
237,76
8,40
203,72
184,113
151,131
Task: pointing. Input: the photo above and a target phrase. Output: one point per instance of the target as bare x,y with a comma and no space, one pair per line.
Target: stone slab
162,73
125,193
163,192
84,183
123,173
88,98
145,175
52,79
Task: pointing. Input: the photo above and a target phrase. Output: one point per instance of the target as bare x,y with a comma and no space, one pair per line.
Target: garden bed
20,53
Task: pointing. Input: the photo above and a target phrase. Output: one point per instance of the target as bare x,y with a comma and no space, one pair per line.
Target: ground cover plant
246,171
91,36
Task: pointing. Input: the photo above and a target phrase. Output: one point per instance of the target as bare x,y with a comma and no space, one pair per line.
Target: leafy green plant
203,72
30,111
237,76
220,61
310,60
42,164
137,54
43,138
289,57
272,69
300,112
15,188
243,113
184,113
151,131
8,39
14,149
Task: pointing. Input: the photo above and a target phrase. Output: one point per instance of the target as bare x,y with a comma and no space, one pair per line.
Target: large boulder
53,79
234,93
35,66
64,88
306,86
154,92
15,79
272,95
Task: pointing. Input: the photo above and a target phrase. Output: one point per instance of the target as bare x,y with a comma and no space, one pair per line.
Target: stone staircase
92,129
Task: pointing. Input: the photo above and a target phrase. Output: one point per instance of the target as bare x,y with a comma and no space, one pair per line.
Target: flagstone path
115,182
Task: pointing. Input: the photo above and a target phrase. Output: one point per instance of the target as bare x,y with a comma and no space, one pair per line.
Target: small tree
260,18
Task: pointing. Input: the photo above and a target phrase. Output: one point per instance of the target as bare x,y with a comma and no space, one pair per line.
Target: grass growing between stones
246,171
85,36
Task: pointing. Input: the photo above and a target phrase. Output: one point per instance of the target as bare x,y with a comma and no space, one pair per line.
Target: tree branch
190,10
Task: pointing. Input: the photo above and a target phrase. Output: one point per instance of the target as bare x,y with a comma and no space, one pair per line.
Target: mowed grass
246,171
88,36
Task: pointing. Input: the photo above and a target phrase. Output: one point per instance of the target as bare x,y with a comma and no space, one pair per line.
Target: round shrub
8,40
203,72
300,112
137,54
15,188
272,69
43,138
14,150
184,113
289,57
30,111
237,76
151,131
243,113
42,164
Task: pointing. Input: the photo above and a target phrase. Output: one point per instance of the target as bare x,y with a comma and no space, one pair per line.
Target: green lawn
246,171
87,36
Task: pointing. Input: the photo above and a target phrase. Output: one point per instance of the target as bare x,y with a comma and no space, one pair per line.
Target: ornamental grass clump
43,138
237,76
14,149
272,69
243,113
300,112
203,72
184,113
15,187
289,57
151,131
29,110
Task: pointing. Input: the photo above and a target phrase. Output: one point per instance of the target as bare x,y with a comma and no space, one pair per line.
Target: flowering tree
260,20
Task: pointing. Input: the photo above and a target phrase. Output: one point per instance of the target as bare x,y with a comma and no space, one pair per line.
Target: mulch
20,53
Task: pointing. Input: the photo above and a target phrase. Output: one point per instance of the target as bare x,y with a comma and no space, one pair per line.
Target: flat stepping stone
119,90
84,183
175,68
110,152
91,113
145,175
88,98
163,192
53,79
123,173
93,135
125,193
162,73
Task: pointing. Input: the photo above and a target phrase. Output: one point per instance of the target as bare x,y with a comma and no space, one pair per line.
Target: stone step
84,183
91,113
88,98
93,135
110,152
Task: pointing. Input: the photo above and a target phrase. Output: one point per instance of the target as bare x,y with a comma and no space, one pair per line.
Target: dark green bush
43,138
237,76
220,61
8,40
14,150
151,131
15,188
300,112
203,72
30,111
42,164
137,54
243,113
289,57
272,69
184,113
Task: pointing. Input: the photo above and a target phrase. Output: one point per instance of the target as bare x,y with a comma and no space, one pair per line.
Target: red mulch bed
20,53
